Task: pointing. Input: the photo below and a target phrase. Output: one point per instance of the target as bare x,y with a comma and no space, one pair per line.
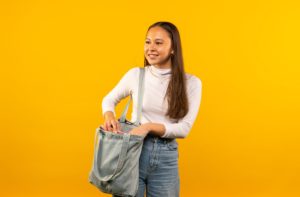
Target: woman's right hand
111,123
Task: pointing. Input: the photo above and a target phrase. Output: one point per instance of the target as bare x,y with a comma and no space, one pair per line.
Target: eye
147,42
158,43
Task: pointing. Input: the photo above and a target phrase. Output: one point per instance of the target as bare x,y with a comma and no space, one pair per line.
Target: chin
152,62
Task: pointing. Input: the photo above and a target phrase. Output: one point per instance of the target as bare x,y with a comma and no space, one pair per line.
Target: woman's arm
181,128
120,91
152,128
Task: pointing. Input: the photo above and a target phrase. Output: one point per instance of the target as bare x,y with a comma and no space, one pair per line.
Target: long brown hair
176,92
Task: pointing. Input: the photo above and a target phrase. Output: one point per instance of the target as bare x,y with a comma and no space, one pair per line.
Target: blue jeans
158,168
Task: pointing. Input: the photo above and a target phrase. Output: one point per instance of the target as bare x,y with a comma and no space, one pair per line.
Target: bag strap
123,116
140,100
123,154
140,96
121,159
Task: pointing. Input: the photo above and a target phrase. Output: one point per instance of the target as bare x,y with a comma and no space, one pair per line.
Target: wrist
109,115
146,126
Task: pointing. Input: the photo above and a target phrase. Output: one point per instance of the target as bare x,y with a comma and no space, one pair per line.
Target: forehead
157,33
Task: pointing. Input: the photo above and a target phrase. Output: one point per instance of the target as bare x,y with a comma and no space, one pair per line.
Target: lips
152,55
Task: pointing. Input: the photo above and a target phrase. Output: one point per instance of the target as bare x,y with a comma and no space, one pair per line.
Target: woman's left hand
141,130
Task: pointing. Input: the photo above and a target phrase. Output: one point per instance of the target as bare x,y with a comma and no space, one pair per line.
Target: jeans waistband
158,139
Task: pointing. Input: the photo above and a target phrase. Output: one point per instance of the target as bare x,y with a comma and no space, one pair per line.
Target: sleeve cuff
167,131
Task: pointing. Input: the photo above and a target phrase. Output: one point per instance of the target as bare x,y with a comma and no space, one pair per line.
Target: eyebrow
155,39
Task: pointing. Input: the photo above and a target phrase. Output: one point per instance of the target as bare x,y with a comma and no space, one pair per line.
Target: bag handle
140,100
121,159
140,96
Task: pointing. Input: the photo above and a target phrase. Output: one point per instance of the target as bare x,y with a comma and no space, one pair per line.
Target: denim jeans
158,168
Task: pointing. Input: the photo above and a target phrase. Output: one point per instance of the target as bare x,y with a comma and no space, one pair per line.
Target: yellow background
59,58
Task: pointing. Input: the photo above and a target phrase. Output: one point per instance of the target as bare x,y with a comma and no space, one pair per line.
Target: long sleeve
182,128
154,106
120,91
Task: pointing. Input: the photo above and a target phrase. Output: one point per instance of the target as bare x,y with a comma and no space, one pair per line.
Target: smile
152,55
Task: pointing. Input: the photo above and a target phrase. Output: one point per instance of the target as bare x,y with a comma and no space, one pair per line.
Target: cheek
145,49
164,50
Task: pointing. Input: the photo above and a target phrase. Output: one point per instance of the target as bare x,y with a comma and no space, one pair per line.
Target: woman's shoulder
133,71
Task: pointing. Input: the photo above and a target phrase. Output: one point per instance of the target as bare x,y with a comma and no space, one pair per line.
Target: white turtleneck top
154,105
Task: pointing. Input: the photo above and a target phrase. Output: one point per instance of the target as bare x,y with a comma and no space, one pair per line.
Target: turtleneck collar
160,71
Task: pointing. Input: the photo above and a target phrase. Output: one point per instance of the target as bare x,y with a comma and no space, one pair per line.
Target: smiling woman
170,106
158,47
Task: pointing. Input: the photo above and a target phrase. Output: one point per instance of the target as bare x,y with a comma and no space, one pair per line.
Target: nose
152,47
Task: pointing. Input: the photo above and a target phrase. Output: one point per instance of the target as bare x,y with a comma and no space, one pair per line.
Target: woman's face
158,47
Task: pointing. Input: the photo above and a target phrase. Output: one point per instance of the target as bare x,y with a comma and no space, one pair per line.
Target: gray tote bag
116,156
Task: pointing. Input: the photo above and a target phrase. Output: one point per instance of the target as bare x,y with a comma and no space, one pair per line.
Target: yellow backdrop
59,58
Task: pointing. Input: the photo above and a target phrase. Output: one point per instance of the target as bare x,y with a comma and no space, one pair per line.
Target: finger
120,132
104,126
108,128
133,131
114,124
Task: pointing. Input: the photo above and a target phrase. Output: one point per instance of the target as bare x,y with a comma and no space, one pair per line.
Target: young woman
170,106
